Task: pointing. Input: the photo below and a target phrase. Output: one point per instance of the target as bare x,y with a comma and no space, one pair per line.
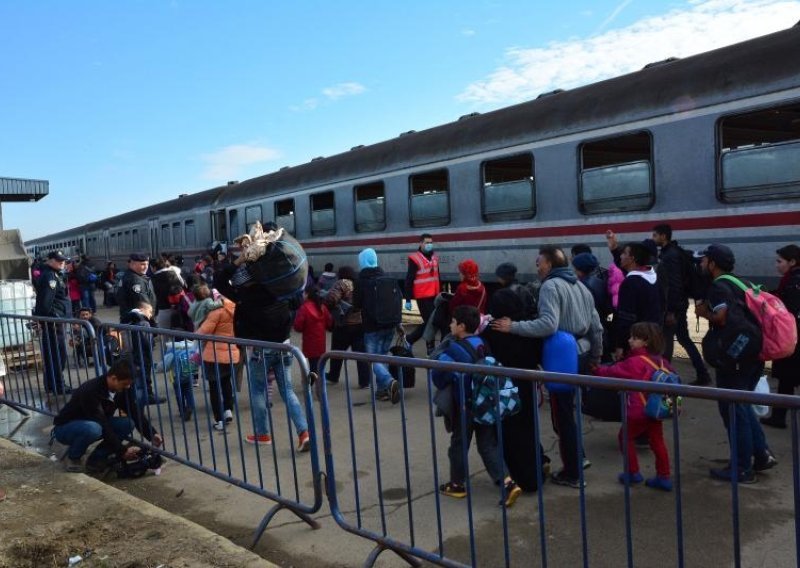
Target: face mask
427,247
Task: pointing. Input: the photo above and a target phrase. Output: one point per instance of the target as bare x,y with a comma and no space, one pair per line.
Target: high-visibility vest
426,281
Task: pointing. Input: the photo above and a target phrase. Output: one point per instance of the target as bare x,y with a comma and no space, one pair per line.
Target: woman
348,331
164,280
107,279
787,370
219,361
471,291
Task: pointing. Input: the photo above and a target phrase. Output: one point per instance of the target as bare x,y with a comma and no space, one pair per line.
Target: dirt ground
48,517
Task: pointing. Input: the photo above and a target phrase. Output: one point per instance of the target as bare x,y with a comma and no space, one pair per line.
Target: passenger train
709,144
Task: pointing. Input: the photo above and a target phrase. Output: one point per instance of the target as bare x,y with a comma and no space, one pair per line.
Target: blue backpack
656,405
493,397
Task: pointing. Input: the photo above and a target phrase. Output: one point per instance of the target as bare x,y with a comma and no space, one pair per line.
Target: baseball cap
720,254
57,255
138,257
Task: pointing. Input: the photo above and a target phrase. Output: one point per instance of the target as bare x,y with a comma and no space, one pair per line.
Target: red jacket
634,367
312,321
468,296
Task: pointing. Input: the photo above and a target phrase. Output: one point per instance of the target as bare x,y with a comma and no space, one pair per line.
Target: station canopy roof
14,189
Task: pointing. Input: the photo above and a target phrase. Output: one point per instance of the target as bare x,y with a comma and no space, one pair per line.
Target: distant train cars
710,144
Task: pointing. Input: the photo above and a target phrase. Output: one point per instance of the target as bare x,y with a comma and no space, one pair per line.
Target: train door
153,226
219,226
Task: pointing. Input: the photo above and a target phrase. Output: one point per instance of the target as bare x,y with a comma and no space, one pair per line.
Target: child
204,302
646,345
312,320
181,362
463,326
81,340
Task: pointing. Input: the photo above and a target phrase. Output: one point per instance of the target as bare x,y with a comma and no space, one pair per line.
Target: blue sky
124,104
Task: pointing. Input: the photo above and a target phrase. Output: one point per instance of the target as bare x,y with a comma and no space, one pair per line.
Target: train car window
251,215
430,199
284,214
323,214
617,174
165,236
233,216
759,155
135,239
508,188
370,204
126,241
177,235
188,228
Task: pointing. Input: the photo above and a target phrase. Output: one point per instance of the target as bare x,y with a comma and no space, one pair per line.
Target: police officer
136,286
52,301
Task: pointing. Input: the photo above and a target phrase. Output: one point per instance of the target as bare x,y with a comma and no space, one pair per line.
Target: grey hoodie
565,304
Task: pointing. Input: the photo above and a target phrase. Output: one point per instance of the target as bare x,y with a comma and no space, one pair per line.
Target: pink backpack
778,327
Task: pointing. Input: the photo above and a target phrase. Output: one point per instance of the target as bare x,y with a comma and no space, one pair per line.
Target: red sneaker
265,439
303,443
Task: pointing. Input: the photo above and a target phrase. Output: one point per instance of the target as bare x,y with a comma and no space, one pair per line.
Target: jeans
80,434
184,392
260,363
748,441
54,353
378,343
87,299
680,331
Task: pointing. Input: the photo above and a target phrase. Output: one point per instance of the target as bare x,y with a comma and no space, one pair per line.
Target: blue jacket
455,353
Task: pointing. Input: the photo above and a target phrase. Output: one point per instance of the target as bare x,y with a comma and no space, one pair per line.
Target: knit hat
469,268
507,271
367,258
585,262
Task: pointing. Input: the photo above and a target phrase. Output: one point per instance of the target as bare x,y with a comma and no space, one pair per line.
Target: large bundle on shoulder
273,259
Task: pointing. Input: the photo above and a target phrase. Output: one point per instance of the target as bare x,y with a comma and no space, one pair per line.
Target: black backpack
147,460
383,300
528,295
694,285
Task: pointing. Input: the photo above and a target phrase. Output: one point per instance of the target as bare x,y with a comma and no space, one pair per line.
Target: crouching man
89,416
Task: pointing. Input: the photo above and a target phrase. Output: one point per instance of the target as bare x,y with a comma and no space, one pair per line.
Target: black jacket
141,343
639,300
51,294
788,369
367,312
135,289
92,401
672,278
259,316
165,282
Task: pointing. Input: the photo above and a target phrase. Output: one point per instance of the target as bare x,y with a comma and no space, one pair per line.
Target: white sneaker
228,416
219,426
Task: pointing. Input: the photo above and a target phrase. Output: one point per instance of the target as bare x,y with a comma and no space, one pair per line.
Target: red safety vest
426,281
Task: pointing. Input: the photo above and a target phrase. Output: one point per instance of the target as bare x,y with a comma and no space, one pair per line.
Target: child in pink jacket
646,345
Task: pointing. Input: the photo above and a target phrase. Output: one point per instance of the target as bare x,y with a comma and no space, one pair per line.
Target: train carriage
709,144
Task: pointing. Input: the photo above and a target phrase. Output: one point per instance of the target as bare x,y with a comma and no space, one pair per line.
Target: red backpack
778,327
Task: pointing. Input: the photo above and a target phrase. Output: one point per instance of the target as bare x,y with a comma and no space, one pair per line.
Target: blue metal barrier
414,544
232,386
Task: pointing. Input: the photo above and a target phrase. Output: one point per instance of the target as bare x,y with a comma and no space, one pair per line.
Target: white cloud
466,32
226,163
700,26
343,90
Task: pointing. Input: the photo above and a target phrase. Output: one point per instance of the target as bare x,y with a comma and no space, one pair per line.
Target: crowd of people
623,319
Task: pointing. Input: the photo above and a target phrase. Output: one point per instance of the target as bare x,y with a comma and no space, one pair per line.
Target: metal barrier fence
209,397
427,533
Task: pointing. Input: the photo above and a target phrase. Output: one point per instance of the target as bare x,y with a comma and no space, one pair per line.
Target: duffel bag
401,349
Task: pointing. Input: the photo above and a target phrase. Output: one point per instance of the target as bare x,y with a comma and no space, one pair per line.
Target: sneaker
724,474
219,426
773,422
394,392
455,490
73,466
630,478
228,416
303,443
662,483
560,478
587,463
264,439
187,415
513,492
765,463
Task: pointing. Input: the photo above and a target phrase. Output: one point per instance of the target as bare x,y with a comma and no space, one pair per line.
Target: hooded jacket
639,300
565,305
220,322
313,321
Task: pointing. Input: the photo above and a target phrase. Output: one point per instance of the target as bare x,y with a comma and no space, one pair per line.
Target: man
673,270
564,305
89,416
737,364
142,349
422,284
639,294
136,286
87,281
164,282
52,301
378,330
